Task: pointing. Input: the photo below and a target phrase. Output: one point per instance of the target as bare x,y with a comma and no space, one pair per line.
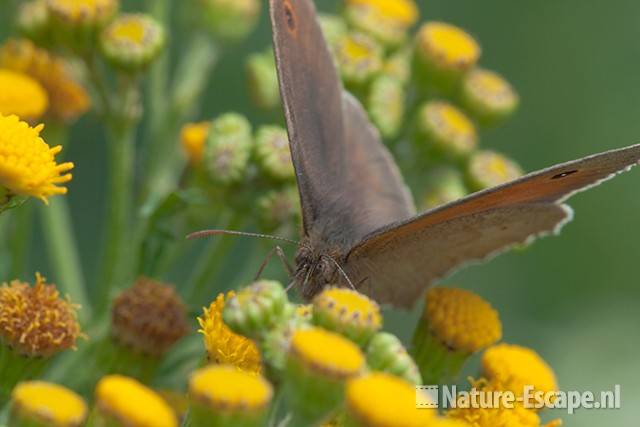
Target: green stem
192,74
158,79
20,239
121,148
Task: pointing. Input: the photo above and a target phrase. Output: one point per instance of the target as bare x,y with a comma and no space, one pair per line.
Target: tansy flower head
33,19
386,353
82,13
495,417
380,400
21,95
386,105
228,148
446,128
35,321
512,367
231,20
445,184
347,312
223,392
387,20
359,58
223,346
132,41
487,169
258,308
149,317
42,403
488,95
67,99
192,138
461,319
126,402
280,210
262,79
447,46
272,151
333,28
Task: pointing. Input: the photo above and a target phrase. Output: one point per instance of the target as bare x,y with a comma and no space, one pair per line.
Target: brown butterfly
359,222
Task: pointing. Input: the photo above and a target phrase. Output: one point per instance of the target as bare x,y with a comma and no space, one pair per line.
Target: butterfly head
315,269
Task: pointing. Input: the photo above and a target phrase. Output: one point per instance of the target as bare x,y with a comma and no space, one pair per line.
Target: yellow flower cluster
27,163
82,11
193,137
222,344
461,319
35,321
21,95
48,404
67,99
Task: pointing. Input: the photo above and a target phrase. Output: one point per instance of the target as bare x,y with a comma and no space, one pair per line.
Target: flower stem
20,239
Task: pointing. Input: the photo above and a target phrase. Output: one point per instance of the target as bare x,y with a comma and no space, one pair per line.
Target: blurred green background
574,298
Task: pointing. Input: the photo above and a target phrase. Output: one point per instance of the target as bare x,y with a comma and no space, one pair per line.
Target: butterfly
359,222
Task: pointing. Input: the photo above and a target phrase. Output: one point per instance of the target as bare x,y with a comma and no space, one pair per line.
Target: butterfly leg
283,258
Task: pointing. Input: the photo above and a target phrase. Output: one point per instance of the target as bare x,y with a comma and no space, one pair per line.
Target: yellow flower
27,163
193,137
386,20
149,317
67,99
35,321
447,128
447,46
461,319
382,400
222,344
347,312
21,95
496,417
488,95
487,169
130,403
82,12
512,367
47,404
132,41
224,387
359,58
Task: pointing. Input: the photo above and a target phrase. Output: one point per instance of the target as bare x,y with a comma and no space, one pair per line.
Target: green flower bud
333,28
445,184
42,404
318,364
386,105
443,54
359,59
273,154
132,41
231,20
33,19
445,129
263,79
228,148
386,353
487,169
257,308
386,20
488,96
398,66
347,312
279,209
275,344
224,396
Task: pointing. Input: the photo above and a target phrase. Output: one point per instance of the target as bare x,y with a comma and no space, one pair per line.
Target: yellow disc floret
461,319
48,404
491,88
27,163
132,404
67,99
496,417
383,400
487,169
512,367
448,128
78,12
326,353
192,138
21,95
35,321
222,344
224,387
132,40
348,312
404,12
448,46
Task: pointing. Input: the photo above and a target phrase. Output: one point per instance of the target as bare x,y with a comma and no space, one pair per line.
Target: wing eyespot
564,174
290,16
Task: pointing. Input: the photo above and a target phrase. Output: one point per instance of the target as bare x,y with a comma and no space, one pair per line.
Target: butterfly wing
395,263
332,143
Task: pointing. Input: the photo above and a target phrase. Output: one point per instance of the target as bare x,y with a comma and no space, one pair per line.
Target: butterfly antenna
339,267
209,233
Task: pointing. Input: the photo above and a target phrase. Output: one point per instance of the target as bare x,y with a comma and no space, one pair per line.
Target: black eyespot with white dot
564,174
